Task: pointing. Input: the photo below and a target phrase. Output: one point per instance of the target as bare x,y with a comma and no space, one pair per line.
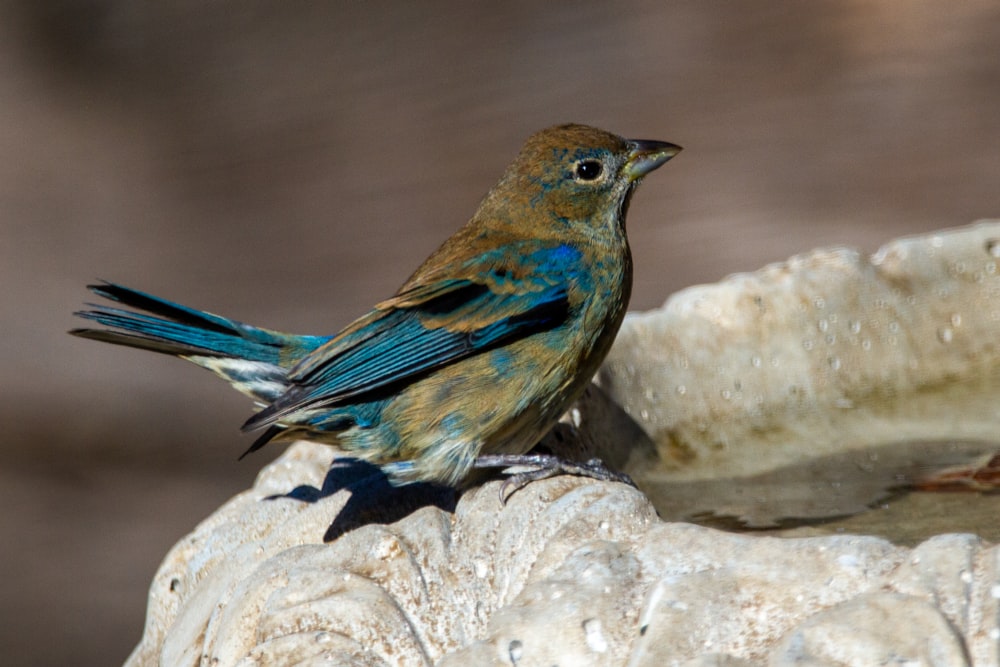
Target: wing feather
407,337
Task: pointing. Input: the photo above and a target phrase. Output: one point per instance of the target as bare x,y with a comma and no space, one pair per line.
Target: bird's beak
646,156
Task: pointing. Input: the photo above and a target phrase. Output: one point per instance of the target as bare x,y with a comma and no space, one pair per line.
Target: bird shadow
608,433
373,499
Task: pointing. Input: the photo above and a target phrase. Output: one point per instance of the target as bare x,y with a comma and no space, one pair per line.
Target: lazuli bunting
478,353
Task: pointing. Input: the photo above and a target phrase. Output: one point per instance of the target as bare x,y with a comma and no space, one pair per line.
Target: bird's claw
544,466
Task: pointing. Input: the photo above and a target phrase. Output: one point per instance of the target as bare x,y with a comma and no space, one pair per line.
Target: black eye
588,170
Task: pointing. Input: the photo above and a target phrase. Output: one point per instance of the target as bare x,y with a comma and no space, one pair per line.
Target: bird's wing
423,328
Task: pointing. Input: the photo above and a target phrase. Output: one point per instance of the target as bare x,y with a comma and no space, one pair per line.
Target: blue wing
416,332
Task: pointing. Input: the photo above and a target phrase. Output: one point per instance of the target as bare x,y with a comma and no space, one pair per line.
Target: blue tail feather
175,329
254,360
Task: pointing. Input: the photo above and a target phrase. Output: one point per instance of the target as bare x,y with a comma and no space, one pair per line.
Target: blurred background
289,164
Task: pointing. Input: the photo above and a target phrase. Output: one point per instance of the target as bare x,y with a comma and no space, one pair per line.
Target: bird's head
575,174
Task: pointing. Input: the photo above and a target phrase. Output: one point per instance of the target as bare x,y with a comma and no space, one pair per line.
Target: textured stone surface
832,371
831,349
570,572
873,629
575,572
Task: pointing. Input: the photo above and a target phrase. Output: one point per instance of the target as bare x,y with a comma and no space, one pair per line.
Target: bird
479,352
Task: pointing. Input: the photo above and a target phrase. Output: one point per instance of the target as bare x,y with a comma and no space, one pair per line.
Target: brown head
575,173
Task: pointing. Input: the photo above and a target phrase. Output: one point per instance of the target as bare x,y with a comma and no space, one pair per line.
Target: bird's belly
501,401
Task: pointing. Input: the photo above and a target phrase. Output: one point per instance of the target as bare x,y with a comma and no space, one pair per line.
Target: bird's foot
544,466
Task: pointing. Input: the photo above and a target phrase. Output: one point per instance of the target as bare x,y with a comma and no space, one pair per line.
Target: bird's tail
254,360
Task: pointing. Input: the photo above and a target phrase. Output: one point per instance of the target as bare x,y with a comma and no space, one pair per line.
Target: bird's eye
588,170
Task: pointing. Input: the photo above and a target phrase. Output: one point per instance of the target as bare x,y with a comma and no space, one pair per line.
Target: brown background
288,164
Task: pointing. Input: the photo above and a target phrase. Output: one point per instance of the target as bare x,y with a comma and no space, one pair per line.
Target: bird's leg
545,466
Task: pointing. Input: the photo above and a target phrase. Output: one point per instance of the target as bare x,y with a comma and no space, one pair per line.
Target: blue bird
479,352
